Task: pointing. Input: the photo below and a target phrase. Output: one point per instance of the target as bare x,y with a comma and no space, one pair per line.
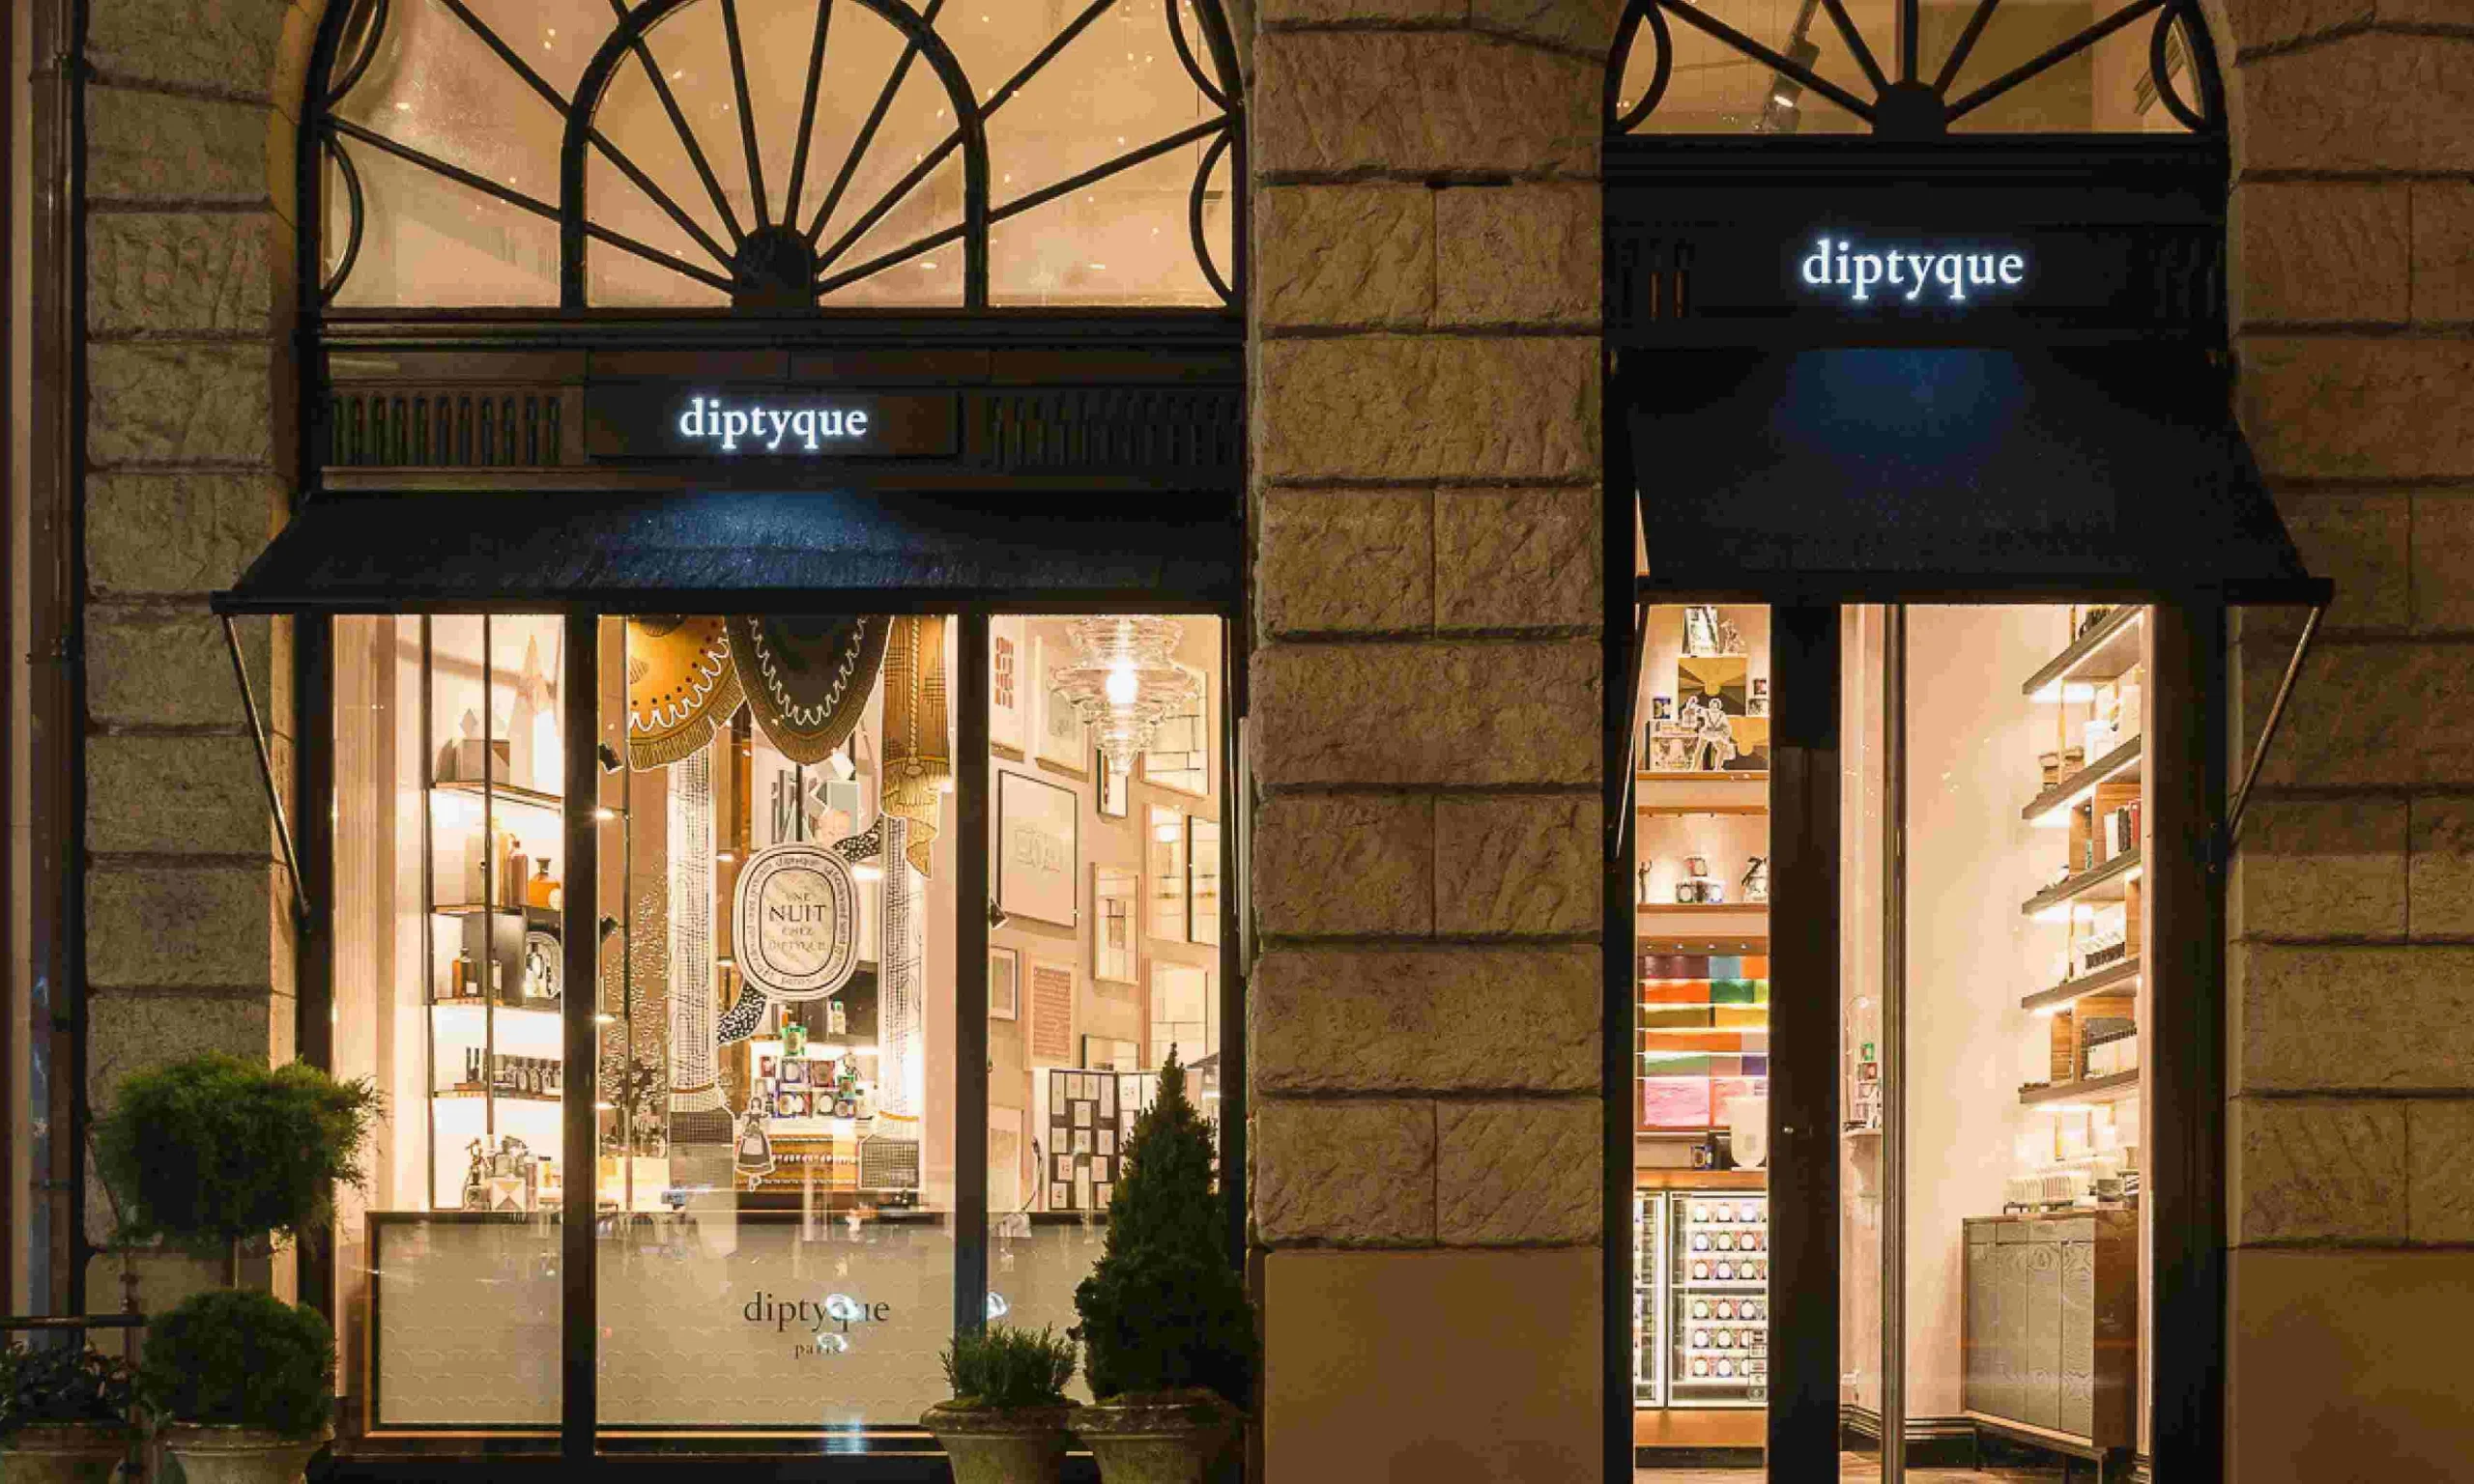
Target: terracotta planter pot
1001,1444
239,1455
68,1453
1169,1437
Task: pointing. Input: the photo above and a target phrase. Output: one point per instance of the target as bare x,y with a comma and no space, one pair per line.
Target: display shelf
506,1009
499,793
1722,1285
2105,653
2120,765
1700,793
2110,976
476,1093
2107,1089
2108,882
1735,922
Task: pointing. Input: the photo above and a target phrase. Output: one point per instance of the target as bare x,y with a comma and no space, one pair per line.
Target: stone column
2352,970
189,249
1425,723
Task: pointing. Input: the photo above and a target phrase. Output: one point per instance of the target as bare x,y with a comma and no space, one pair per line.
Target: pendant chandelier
1123,683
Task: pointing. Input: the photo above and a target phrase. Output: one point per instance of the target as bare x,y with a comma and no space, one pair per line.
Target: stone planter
1001,1444
239,1455
1162,1438
64,1453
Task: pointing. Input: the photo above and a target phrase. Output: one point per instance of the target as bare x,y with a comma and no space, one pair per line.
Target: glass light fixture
1123,683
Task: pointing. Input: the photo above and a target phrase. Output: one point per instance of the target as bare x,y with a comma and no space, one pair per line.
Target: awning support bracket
1615,827
266,771
2268,733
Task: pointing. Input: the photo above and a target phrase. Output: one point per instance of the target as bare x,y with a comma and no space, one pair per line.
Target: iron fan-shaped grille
780,154
1782,66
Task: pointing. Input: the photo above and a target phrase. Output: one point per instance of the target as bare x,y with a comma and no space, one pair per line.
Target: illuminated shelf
504,1009
2112,974
2120,765
2105,653
1700,793
2108,882
2108,1089
475,1094
501,794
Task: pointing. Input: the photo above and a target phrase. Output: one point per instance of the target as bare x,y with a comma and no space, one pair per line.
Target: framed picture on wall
1179,757
1114,785
1181,1016
1008,690
1203,880
1005,984
1036,851
1064,742
1109,1053
1165,846
1113,893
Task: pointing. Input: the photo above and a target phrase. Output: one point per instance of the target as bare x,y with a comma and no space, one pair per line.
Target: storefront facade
1424,694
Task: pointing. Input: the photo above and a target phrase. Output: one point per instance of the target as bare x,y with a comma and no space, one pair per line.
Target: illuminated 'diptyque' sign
813,427
1932,274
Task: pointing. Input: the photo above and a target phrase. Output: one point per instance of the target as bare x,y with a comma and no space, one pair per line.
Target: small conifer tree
1163,1310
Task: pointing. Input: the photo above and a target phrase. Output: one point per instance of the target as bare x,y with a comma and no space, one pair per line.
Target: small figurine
1756,879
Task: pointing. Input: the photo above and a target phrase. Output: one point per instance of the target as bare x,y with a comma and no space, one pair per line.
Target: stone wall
1426,734
190,114
2351,1142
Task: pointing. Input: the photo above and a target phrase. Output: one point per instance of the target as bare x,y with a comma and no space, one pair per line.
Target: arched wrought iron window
1913,69
778,154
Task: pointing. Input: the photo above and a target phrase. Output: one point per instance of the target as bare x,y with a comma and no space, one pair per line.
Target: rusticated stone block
2340,406
163,927
184,404
1518,1174
1339,103
195,795
1426,1019
2312,869
2440,870
1517,558
1277,13
2372,712
2266,22
1390,407
2443,524
1518,864
150,534
220,45
2364,544
2439,1185
160,147
151,666
128,1032
1341,863
1343,255
1346,560
1518,254
2397,1019
181,272
1346,1174
2321,250
2319,1170
1470,713
2376,101
1585,25
2443,252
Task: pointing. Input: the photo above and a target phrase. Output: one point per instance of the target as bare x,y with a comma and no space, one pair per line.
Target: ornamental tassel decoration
918,757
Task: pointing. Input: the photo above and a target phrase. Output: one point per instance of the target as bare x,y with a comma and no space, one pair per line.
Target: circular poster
797,917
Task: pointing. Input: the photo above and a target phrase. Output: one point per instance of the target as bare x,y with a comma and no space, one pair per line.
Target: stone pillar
1425,723
189,112
2351,1145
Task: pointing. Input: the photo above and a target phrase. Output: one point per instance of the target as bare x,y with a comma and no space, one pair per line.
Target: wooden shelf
1700,793
2120,764
503,1008
501,793
2104,652
2108,1089
2124,972
2104,883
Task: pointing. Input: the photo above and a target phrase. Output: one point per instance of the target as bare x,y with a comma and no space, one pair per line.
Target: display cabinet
2051,1326
1718,1280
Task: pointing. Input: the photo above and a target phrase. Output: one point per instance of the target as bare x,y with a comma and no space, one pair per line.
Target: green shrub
1163,1310
52,1385
216,1150
238,1358
1010,1367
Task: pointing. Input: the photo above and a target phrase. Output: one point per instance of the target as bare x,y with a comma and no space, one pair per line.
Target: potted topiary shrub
1167,1330
243,1385
1007,1421
65,1414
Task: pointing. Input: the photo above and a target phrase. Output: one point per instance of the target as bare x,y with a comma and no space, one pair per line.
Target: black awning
745,552
1915,474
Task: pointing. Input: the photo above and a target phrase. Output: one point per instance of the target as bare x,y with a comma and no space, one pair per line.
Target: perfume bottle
542,890
512,874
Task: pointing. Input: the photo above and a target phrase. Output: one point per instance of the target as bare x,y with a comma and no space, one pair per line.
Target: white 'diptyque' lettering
1841,264
808,428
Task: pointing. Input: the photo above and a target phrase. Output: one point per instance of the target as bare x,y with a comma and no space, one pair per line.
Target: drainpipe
55,797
